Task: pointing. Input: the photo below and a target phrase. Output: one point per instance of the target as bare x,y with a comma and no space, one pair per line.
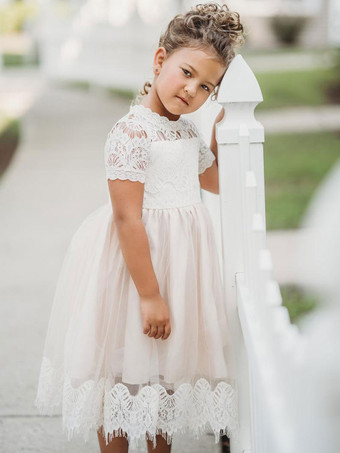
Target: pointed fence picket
266,346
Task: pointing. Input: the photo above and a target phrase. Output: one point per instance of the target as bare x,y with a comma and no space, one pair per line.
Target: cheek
169,85
172,77
201,96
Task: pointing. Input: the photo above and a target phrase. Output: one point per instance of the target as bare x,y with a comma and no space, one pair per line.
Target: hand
155,316
219,118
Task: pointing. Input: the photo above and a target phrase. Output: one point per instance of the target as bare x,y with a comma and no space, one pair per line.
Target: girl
137,343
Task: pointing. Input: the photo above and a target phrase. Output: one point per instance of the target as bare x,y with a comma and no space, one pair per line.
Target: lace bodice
167,156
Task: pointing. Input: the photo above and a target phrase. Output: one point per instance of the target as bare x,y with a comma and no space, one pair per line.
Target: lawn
295,88
298,302
10,60
294,166
9,139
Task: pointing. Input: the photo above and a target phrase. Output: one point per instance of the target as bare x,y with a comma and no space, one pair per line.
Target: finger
167,330
160,332
153,331
146,328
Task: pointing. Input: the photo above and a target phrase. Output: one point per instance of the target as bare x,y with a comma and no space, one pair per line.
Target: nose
190,89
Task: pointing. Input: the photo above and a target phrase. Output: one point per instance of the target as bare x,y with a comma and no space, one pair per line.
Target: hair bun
218,18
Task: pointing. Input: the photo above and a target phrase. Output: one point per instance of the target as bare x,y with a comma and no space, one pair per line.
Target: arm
126,199
209,179
126,160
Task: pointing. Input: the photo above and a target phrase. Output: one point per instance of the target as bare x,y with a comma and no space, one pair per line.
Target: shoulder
127,149
131,127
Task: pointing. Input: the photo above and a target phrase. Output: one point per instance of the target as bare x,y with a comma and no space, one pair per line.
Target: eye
186,72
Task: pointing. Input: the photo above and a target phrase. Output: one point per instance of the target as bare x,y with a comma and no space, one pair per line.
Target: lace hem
114,173
206,161
152,411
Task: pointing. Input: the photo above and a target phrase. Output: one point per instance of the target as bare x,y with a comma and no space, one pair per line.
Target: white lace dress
98,368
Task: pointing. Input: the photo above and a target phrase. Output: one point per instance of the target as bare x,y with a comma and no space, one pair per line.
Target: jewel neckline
157,115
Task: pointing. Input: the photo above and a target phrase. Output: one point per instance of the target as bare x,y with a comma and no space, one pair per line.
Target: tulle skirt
101,371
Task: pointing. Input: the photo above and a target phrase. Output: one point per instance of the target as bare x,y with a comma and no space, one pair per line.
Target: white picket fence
267,347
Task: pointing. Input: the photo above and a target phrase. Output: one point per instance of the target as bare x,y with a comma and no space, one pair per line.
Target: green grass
113,91
10,60
9,139
294,166
6,122
77,84
297,301
123,93
12,129
295,88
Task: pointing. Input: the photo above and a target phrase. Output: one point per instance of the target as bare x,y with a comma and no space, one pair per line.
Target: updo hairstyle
210,27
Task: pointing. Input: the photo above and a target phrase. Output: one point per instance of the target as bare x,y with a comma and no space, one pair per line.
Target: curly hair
205,26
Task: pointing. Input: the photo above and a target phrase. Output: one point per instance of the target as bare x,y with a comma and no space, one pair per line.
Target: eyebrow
196,73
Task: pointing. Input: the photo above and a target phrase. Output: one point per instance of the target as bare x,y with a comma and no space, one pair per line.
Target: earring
156,70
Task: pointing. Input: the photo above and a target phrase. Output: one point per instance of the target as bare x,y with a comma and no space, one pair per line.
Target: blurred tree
287,29
15,14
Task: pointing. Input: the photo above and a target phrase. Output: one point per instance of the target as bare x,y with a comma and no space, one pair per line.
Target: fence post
240,138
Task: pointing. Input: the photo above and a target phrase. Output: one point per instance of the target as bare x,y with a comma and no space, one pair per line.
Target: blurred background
68,70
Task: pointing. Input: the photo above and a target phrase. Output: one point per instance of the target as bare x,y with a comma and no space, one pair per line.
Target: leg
117,445
161,447
225,444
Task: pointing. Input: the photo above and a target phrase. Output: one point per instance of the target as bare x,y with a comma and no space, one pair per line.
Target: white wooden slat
266,346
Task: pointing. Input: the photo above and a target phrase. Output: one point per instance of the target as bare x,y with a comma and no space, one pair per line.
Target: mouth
183,100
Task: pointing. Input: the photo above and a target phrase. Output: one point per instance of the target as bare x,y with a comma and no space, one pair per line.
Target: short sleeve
127,151
206,157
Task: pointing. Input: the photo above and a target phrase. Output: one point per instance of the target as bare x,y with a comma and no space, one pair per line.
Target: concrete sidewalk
300,119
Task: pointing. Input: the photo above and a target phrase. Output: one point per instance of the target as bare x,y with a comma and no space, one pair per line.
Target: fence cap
239,84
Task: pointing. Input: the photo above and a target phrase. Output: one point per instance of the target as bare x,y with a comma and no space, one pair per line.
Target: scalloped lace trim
132,175
152,411
159,119
206,159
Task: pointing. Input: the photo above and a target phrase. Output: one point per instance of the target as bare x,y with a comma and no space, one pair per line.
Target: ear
160,57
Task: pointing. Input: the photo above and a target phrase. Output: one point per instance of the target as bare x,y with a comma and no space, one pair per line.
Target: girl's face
185,80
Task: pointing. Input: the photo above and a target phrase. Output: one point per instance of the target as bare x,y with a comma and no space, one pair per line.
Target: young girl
137,343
